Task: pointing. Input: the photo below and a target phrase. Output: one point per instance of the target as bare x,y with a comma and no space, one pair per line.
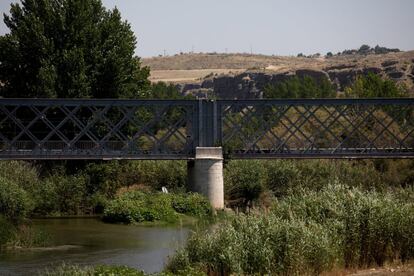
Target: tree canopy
69,49
300,87
373,86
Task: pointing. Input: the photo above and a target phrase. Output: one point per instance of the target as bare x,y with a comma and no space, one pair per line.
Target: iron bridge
172,129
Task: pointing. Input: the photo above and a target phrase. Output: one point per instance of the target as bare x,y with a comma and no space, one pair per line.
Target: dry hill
191,70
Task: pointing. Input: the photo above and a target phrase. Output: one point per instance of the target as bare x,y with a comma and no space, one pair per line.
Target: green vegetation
308,233
373,86
138,206
110,270
15,202
249,182
21,235
163,91
300,87
102,270
69,49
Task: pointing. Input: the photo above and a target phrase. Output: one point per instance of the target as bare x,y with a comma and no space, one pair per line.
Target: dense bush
138,206
59,194
308,233
191,204
15,203
244,181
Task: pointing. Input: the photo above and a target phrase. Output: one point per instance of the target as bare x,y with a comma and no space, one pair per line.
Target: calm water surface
89,242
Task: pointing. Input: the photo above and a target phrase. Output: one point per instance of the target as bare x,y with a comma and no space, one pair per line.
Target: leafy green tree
69,49
161,90
301,87
373,86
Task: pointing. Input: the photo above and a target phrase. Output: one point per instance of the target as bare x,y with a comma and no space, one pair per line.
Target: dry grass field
187,76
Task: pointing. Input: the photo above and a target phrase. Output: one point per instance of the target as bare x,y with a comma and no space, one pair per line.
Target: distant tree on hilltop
69,49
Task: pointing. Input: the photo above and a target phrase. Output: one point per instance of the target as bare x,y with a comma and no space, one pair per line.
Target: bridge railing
171,129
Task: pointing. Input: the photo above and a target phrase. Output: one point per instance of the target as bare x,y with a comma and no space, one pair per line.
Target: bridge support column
205,175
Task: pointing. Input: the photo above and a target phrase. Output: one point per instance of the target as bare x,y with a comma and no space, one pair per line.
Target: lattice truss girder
165,129
334,128
96,128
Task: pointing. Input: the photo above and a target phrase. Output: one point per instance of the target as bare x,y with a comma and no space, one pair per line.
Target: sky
272,27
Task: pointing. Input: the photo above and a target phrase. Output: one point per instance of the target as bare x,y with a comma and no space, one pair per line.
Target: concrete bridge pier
205,175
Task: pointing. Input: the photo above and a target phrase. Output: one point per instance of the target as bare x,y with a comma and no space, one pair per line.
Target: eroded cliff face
251,83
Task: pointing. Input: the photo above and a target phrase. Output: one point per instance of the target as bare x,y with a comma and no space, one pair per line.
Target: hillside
191,67
203,71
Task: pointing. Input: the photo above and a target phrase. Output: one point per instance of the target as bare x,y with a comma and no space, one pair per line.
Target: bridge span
202,131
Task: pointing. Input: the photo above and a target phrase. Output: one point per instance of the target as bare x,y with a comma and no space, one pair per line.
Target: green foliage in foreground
138,206
102,270
308,233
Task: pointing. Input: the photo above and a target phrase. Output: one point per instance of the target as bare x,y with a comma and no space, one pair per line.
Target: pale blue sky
267,26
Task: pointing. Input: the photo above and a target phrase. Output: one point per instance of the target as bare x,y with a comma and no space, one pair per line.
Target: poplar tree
69,49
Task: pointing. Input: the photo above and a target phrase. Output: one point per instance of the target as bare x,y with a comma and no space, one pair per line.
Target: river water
90,242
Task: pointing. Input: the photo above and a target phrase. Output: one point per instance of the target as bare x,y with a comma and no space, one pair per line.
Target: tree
329,54
373,86
364,49
301,87
69,49
161,90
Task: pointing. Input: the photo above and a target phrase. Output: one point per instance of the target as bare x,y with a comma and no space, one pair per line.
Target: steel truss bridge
172,129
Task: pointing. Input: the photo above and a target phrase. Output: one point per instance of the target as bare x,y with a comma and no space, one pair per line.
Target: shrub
191,204
156,174
138,206
15,202
22,173
244,181
68,191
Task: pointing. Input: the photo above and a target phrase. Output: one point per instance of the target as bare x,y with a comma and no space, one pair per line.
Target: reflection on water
89,242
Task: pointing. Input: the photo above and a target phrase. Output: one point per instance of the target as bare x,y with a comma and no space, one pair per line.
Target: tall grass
101,270
307,233
247,180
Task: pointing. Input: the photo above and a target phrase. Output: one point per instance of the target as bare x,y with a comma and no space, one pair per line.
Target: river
90,242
